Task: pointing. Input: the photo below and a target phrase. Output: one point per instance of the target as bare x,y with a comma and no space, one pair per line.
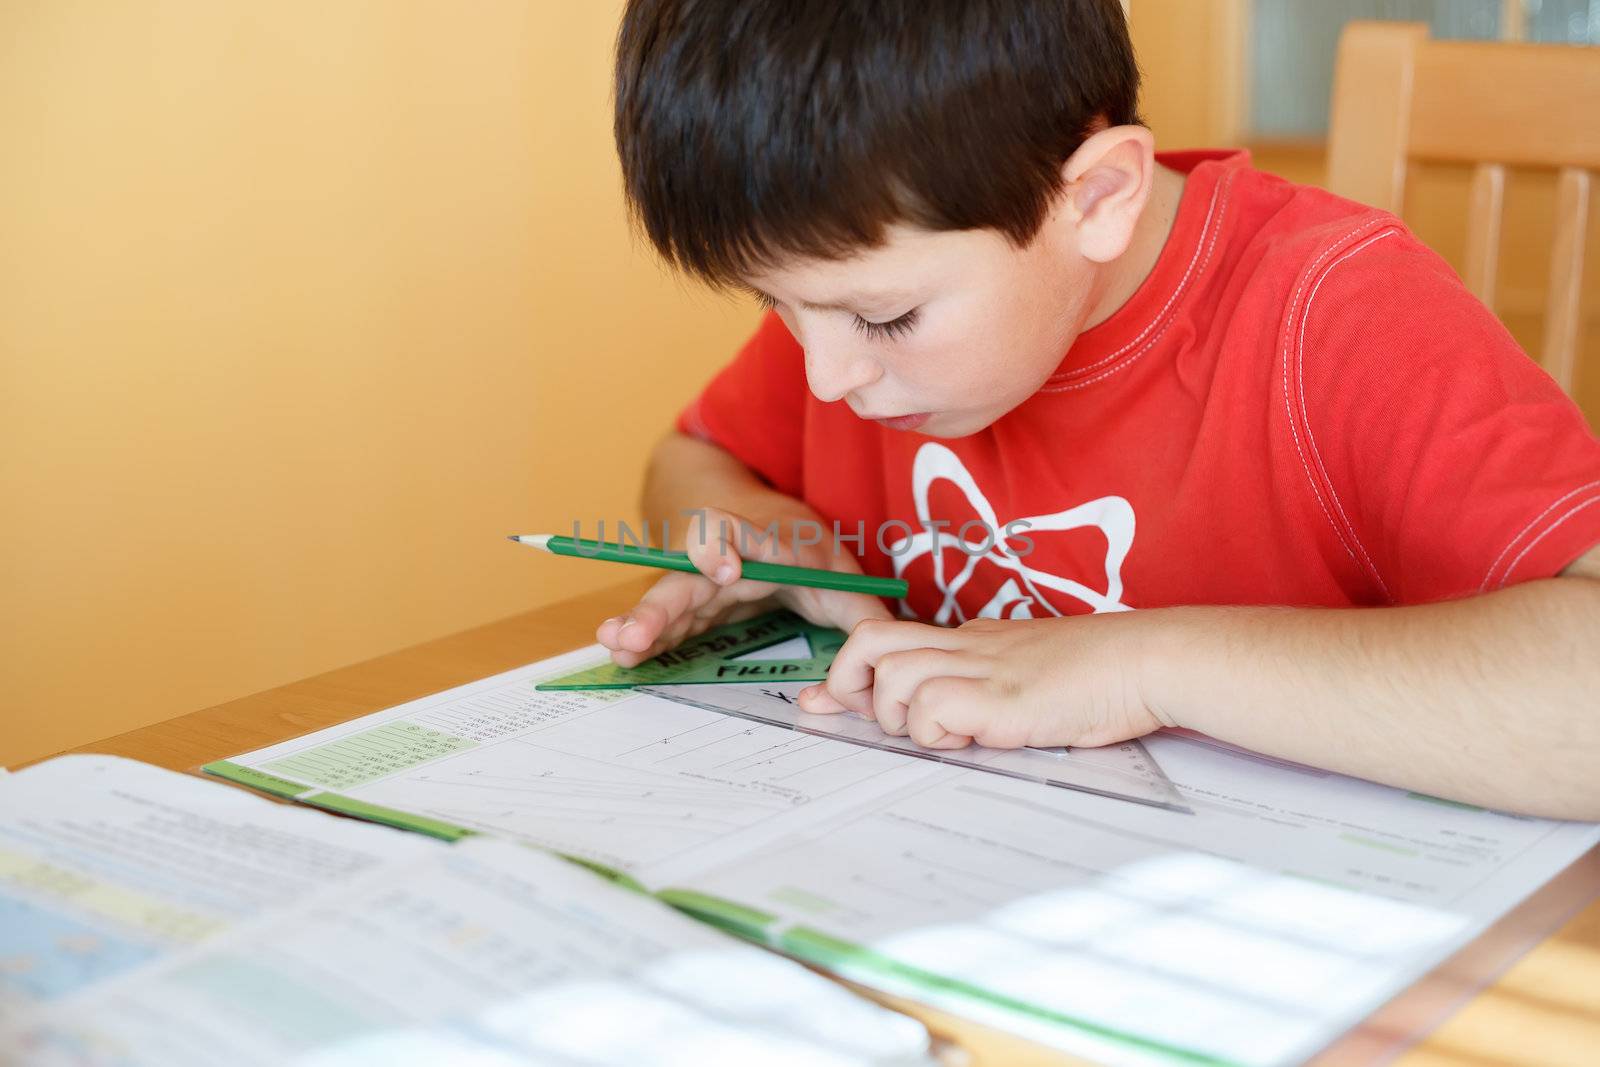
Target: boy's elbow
657,464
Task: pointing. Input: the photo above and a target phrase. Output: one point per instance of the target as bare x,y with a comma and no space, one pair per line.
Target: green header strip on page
854,961
387,816
735,918
267,783
610,874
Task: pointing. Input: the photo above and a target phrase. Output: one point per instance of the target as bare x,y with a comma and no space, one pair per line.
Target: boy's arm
1493,699
719,512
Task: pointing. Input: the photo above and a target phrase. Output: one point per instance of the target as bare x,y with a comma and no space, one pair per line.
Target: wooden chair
1400,96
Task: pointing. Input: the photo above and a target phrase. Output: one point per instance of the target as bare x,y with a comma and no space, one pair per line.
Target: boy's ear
1108,180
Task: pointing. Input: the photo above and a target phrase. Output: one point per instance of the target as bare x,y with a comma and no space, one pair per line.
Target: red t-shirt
1300,405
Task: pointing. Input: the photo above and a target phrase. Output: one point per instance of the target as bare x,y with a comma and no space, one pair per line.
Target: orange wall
1191,53
302,307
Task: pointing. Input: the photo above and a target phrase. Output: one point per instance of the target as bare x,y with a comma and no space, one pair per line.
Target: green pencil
780,573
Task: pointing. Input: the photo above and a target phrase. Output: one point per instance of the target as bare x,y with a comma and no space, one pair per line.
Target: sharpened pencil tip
513,537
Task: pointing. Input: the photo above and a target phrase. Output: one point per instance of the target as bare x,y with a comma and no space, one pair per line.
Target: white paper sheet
157,920
484,952
107,864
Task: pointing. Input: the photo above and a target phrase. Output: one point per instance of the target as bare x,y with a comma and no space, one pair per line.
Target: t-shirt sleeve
755,407
1447,461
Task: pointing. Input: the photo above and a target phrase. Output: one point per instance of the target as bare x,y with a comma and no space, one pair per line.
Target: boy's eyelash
890,330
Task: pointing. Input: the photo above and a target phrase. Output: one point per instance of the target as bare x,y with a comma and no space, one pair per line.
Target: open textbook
152,918
1253,931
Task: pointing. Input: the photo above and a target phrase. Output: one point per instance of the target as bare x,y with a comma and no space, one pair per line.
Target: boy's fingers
670,598
674,609
900,675
815,700
850,677
666,638
712,544
830,607
740,602
945,712
849,610
612,632
645,623
723,605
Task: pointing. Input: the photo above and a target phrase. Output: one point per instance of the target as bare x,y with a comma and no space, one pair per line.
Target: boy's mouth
905,422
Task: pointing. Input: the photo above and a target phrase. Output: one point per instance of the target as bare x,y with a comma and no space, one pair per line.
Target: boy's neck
1124,276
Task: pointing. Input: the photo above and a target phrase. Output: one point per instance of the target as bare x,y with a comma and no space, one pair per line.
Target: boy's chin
953,424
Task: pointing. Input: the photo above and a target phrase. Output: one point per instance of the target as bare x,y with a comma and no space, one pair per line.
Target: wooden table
1544,1010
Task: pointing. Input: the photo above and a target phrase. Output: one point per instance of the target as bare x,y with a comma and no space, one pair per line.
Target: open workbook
152,918
1269,912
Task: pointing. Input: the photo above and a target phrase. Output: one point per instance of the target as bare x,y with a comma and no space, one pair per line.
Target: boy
1048,376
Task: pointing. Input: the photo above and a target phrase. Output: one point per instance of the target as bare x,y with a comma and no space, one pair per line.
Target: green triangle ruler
720,655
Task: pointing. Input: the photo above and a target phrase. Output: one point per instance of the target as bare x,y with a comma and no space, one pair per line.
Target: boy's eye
878,331
887,330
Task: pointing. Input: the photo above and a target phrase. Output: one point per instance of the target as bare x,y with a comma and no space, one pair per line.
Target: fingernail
625,624
725,574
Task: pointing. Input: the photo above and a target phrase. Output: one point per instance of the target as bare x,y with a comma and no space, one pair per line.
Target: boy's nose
833,372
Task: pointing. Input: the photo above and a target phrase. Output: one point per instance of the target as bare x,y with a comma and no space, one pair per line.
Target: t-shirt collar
1137,324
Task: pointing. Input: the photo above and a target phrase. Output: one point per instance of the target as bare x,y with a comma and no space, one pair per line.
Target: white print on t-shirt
1111,515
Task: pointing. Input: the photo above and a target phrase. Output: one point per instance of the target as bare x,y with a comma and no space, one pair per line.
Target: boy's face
941,332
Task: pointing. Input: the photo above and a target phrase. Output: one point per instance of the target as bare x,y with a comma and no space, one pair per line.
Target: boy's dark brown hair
756,129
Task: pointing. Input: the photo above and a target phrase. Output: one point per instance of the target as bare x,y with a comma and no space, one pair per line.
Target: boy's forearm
1495,699
685,474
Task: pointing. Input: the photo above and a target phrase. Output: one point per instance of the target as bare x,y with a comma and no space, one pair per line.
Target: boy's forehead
907,262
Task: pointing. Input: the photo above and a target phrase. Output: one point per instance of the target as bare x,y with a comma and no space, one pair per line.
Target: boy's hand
682,605
1000,683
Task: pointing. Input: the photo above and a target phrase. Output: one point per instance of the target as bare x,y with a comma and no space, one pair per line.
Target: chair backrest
1400,96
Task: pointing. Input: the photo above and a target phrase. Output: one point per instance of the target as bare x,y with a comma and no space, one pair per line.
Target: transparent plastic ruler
1123,771
754,668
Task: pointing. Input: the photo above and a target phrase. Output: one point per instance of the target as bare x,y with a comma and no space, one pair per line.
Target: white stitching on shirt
1210,246
1288,407
1124,365
1300,383
1219,191
1506,577
1489,574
